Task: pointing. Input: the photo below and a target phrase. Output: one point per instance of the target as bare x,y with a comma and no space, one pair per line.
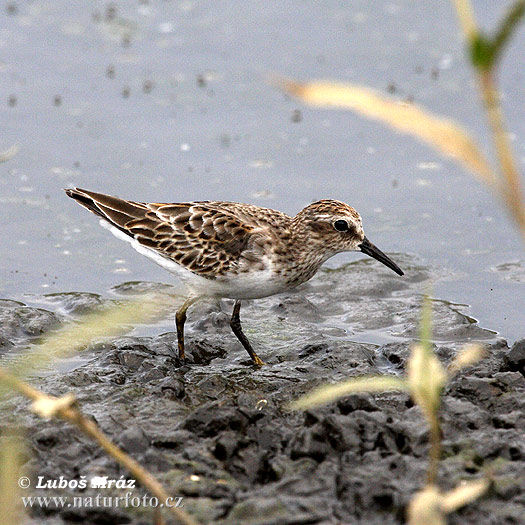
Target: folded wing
207,240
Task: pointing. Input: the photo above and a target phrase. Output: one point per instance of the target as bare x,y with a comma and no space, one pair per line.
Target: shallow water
169,101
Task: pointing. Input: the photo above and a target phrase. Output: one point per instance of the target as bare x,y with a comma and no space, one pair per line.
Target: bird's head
333,227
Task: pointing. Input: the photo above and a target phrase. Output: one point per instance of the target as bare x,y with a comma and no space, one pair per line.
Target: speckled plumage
229,249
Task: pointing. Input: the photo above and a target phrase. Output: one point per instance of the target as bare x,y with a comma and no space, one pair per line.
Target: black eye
340,225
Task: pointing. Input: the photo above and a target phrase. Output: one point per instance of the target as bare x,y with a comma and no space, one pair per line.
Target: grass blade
103,323
464,494
442,134
11,453
328,393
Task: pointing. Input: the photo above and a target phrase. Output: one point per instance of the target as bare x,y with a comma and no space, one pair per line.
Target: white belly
254,285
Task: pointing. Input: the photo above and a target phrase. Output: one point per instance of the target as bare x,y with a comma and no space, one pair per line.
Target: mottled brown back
208,238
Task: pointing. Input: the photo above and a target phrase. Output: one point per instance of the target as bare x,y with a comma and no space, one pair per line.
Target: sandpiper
233,250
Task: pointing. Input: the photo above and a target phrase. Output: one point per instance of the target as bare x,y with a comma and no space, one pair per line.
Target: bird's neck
303,256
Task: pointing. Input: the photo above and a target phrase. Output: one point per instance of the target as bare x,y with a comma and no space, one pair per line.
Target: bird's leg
180,319
235,324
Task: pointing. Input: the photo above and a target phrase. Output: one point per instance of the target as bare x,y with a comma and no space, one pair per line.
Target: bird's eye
341,225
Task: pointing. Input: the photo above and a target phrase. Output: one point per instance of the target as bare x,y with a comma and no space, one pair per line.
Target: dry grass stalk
65,408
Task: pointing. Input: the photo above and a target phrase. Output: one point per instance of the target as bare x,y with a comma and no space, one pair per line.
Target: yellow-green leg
235,324
180,319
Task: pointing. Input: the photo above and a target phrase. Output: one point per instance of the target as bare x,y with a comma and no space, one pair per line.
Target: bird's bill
373,251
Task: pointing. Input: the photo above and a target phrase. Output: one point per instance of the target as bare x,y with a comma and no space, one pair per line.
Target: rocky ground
215,430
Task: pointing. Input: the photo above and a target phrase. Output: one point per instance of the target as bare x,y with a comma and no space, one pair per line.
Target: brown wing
197,235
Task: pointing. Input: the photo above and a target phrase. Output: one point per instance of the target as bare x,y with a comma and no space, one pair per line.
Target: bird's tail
118,212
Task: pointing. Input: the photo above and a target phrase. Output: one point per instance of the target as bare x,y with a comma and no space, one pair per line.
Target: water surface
168,101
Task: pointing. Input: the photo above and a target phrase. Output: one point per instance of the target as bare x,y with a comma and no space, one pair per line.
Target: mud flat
215,430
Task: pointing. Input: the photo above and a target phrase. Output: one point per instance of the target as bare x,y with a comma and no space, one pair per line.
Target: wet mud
215,430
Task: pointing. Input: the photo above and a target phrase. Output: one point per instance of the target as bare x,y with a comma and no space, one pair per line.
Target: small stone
516,357
296,116
201,80
11,8
362,401
134,440
147,86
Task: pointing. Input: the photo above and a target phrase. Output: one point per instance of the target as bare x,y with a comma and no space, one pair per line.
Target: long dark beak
371,249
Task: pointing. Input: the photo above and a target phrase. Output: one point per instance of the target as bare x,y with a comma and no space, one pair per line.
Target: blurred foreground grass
426,376
425,380
446,136
63,343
